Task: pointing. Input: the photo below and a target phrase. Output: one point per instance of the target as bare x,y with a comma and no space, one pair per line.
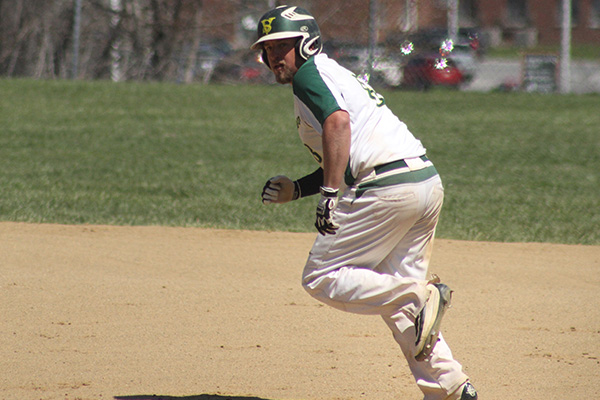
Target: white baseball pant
377,262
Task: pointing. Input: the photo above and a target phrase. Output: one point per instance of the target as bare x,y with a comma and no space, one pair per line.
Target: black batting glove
327,203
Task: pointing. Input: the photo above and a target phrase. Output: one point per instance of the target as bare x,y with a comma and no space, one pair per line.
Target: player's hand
327,204
279,189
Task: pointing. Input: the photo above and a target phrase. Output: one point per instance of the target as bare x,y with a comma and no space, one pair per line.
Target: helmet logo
307,47
266,23
292,15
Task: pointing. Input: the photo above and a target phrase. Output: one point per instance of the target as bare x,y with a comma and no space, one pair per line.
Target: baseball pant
377,262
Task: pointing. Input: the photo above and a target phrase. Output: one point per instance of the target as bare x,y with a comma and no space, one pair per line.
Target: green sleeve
312,90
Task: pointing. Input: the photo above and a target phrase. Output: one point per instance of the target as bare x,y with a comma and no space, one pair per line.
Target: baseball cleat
469,392
427,323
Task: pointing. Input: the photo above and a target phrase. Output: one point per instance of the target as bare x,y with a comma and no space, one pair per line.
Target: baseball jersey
321,86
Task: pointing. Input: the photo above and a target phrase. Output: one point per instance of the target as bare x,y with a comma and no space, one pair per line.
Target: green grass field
516,167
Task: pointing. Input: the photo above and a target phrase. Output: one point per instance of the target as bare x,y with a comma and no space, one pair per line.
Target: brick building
511,22
524,22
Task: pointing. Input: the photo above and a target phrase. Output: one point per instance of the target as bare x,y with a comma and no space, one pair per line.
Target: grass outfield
517,167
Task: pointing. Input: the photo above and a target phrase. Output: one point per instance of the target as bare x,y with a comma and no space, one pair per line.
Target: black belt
380,169
396,179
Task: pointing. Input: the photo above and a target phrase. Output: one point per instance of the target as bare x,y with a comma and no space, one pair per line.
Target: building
523,23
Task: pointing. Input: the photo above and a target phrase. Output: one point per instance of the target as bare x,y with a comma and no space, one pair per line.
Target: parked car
386,70
466,49
465,60
424,71
242,66
209,53
430,39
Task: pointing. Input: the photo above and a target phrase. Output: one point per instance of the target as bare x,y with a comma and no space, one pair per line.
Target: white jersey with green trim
321,87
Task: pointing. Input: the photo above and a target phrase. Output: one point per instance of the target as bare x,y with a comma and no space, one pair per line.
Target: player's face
282,59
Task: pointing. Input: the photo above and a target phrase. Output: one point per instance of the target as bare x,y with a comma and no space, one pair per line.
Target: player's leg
438,377
441,375
412,253
341,268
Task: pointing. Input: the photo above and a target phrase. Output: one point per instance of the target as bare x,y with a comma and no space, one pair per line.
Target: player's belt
383,168
406,176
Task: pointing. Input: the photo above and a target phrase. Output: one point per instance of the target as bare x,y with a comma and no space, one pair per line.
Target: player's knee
319,287
312,287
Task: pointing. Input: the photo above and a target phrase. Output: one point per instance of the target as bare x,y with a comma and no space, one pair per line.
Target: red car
423,72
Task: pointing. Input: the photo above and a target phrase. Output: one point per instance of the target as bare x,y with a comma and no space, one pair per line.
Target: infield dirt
100,312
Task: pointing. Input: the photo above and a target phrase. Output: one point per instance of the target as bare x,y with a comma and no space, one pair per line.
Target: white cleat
427,323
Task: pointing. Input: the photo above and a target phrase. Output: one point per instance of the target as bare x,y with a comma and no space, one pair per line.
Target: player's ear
265,59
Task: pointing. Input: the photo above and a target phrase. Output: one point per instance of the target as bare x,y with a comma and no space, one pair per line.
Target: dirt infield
98,312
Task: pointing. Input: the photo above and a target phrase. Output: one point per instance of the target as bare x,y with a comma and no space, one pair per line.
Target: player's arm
336,153
281,189
336,148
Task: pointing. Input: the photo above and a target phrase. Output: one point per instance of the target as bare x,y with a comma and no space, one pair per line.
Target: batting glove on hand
279,189
327,204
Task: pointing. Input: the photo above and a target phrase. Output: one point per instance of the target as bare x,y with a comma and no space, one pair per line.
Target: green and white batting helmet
286,22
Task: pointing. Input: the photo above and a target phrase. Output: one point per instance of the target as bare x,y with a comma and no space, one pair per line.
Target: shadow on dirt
193,397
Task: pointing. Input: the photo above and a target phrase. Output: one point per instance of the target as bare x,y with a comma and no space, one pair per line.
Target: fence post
565,48
453,20
76,26
372,35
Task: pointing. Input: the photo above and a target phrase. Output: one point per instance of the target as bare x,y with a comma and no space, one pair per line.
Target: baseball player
379,201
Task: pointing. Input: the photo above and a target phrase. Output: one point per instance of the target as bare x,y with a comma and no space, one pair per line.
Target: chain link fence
392,43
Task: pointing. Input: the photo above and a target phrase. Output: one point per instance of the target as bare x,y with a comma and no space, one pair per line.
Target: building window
574,12
595,14
517,14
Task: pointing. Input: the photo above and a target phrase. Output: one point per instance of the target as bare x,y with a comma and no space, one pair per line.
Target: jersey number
372,93
316,155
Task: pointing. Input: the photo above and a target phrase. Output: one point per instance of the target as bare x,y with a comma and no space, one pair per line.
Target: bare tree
119,40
